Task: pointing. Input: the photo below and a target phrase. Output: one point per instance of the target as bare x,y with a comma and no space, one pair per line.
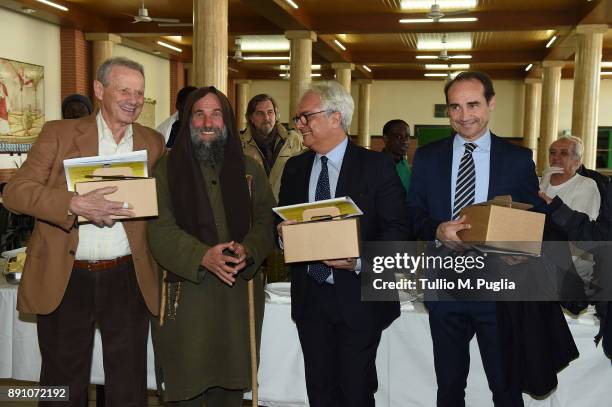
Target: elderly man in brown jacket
101,273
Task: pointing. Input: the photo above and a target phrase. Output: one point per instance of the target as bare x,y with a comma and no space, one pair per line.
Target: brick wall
75,63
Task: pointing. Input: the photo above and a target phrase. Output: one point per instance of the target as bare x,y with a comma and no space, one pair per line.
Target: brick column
74,56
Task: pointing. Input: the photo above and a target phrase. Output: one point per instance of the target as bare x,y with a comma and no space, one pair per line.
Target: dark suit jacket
370,179
512,172
535,337
579,227
39,189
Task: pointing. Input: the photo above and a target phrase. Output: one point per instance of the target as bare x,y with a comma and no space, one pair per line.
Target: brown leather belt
100,265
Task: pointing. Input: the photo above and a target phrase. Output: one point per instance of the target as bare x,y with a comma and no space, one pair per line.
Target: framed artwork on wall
22,105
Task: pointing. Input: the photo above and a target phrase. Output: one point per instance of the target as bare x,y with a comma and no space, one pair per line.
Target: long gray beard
209,152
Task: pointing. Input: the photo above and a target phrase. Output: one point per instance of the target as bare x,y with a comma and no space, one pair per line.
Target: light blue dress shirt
334,164
482,160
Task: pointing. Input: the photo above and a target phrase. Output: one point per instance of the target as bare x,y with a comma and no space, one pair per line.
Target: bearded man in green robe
213,231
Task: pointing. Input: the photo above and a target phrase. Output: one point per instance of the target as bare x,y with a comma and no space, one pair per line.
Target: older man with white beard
213,231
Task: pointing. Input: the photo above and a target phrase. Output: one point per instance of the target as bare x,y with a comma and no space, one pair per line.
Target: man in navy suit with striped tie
471,166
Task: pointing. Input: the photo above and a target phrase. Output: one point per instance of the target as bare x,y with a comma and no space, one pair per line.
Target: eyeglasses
303,118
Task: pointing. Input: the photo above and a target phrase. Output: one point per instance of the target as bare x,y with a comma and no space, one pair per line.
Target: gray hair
577,143
106,66
335,99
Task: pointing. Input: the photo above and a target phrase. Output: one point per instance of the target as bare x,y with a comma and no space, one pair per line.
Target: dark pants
213,397
112,300
453,325
340,362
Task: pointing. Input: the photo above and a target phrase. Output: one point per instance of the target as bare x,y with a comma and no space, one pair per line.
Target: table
404,362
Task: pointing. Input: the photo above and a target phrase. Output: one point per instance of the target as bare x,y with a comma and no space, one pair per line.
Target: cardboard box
504,225
140,193
313,240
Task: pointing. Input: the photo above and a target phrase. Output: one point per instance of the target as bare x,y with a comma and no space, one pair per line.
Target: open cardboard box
321,237
140,193
504,225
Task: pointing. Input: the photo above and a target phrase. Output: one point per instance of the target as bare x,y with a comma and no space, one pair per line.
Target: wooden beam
279,13
75,17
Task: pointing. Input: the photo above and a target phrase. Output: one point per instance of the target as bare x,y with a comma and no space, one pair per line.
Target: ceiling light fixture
367,68
415,20
292,3
551,41
172,47
444,4
441,75
263,58
445,66
340,45
442,20
434,42
52,4
28,10
264,43
287,67
528,67
458,19
312,75
438,57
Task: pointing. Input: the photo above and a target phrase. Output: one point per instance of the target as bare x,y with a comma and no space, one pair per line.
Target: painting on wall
22,105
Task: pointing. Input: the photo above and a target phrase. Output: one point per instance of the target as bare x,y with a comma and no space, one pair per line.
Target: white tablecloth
405,362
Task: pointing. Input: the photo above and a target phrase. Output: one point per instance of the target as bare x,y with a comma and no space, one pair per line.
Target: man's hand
240,252
279,227
215,261
94,207
545,197
345,264
447,233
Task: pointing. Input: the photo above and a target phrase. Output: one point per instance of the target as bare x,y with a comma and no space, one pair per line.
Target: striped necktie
465,188
319,271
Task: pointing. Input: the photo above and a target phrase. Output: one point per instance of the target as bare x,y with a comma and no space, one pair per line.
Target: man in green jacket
213,231
396,133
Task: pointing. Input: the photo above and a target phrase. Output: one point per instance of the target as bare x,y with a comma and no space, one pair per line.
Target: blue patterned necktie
319,271
465,188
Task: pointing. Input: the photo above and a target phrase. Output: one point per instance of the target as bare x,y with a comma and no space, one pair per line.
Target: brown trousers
110,299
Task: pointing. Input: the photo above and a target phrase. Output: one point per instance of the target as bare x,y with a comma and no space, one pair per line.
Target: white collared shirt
104,243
